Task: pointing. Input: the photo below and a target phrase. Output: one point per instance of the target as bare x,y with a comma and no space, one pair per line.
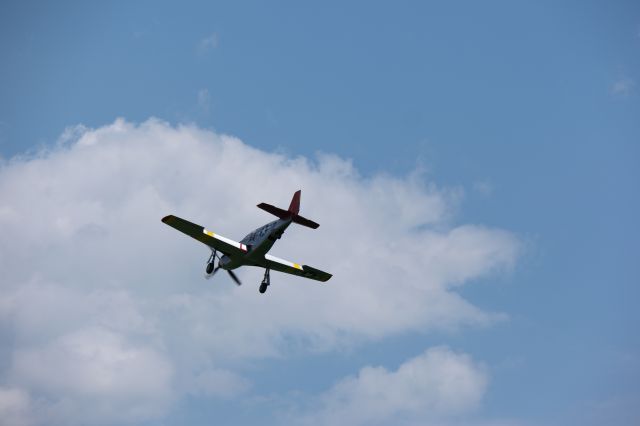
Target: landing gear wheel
265,281
211,262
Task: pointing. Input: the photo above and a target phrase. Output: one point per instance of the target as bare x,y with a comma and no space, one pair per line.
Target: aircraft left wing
287,267
213,240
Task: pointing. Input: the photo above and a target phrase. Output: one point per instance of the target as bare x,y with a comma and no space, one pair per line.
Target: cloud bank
432,386
104,313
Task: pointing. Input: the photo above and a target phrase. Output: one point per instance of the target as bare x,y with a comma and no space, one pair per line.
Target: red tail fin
294,207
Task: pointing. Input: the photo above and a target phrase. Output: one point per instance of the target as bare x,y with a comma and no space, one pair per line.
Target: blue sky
524,114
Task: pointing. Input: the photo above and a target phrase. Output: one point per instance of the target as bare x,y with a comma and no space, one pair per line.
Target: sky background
508,130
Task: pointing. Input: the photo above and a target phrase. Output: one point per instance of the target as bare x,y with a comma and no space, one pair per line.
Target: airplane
253,249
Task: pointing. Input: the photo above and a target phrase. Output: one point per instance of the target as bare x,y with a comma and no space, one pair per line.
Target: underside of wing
287,267
213,240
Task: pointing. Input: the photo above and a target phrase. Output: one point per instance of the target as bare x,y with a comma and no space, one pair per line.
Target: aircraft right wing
213,240
287,267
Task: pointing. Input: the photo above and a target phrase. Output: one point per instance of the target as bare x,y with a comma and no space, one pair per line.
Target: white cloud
91,275
219,383
208,43
14,407
623,87
435,385
94,375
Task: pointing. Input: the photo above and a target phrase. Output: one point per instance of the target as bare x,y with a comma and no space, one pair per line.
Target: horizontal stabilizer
305,222
276,211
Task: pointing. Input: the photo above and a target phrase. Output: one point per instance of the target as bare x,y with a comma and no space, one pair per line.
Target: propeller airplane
253,249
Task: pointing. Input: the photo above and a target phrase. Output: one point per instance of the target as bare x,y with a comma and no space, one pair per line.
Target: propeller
233,276
214,255
211,264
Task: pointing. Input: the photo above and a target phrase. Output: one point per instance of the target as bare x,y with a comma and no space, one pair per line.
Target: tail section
305,222
294,207
291,213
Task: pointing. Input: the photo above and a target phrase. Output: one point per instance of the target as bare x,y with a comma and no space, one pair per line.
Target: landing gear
265,281
211,263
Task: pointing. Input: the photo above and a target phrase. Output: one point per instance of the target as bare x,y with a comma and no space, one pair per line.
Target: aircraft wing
287,267
213,240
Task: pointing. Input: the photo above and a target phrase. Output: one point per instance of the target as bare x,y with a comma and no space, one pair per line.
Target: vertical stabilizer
294,207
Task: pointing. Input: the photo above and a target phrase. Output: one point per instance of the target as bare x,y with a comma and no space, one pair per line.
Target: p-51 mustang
252,249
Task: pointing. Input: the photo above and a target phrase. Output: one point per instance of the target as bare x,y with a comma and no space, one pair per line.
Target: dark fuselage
258,242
